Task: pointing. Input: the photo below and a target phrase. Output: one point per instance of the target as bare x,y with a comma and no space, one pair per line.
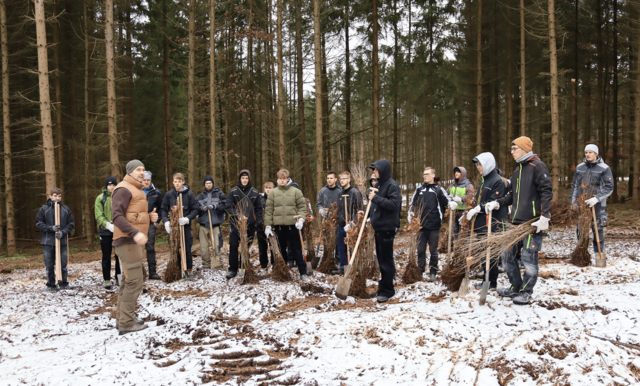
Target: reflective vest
460,192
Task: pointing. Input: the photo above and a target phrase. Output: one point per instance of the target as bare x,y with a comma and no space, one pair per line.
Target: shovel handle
488,263
346,218
595,227
364,223
304,254
451,216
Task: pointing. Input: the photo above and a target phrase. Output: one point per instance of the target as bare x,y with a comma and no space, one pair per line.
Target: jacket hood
248,173
105,190
185,189
209,178
290,182
373,177
488,162
384,169
463,173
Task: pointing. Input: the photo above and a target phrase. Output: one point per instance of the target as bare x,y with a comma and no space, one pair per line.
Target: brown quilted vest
137,211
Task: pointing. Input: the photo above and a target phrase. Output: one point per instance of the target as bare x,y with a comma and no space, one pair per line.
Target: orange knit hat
524,143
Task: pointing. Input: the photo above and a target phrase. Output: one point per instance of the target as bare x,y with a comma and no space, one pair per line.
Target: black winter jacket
154,199
354,204
431,200
386,204
46,219
216,197
531,191
491,188
189,203
246,198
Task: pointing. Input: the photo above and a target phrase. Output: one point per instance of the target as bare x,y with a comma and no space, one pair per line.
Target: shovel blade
601,260
464,287
309,268
483,294
344,285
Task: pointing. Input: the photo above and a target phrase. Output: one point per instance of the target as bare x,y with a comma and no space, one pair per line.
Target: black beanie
111,181
208,178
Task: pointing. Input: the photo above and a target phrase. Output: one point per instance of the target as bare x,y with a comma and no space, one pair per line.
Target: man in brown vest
131,220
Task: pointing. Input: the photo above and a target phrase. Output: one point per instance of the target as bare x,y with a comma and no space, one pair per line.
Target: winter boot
231,274
189,276
522,299
136,321
153,275
432,277
133,328
303,277
506,292
107,284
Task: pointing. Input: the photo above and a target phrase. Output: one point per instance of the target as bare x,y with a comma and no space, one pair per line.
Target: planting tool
464,286
451,218
213,242
183,253
346,220
344,283
601,257
485,285
57,246
304,253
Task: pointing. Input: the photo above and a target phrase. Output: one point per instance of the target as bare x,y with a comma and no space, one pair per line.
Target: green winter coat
103,210
283,203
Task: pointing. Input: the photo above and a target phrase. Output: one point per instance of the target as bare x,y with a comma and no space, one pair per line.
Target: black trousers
105,246
430,236
150,246
263,247
493,265
50,262
234,244
188,243
288,236
384,252
456,224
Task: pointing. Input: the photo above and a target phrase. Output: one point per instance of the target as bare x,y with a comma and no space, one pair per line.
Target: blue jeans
50,263
342,247
530,247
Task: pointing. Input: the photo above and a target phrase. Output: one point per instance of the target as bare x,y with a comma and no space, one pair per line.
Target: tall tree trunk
523,74
555,123
573,153
318,84
376,81
479,81
616,145
191,163
86,216
395,88
509,93
111,93
6,122
131,148
280,88
212,85
347,87
45,101
166,118
58,90
601,78
636,158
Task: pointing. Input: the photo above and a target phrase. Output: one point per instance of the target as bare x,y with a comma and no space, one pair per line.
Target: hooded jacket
211,197
154,199
189,203
327,196
530,193
461,187
283,204
371,185
102,211
354,204
491,188
46,219
245,198
386,204
431,201
593,179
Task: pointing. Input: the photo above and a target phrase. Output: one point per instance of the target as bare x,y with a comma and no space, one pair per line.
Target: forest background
212,87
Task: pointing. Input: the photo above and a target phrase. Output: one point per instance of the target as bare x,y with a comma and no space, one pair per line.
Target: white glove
489,206
453,205
267,231
542,224
167,227
457,199
300,223
460,220
183,221
473,212
410,217
348,226
592,201
109,226
324,212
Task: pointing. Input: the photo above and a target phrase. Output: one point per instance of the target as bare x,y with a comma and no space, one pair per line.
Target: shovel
57,244
213,241
464,286
304,252
601,257
451,216
485,285
346,219
183,252
344,283
316,258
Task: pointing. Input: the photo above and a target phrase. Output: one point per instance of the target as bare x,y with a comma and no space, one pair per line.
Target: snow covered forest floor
581,329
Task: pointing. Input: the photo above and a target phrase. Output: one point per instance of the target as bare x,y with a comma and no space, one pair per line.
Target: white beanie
147,175
592,147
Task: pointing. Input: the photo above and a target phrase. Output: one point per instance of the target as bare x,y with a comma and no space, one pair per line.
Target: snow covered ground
582,329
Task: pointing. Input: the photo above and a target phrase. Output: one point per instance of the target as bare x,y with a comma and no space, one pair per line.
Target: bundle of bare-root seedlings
245,261
360,261
360,174
563,213
580,256
173,271
308,231
443,239
280,270
329,239
412,272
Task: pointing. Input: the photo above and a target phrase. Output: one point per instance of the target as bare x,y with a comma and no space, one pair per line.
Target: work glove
55,228
473,212
204,208
453,205
348,226
211,207
592,201
410,217
542,224
324,212
457,199
493,205
109,226
267,231
299,223
183,221
59,235
167,227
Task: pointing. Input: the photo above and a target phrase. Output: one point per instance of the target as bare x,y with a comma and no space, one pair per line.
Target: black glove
212,207
55,228
59,235
203,208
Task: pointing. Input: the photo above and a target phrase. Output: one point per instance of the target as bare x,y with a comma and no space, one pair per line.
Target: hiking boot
133,328
64,285
52,289
432,277
382,298
506,292
303,277
154,276
188,276
231,274
135,321
108,284
492,286
522,299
